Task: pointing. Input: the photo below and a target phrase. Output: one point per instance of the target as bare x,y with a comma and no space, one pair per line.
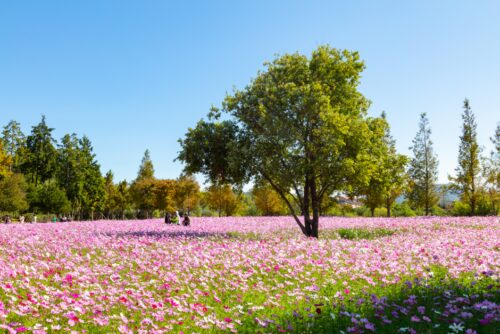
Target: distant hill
446,196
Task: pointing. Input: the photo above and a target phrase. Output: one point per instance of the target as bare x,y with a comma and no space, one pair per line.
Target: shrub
460,209
403,210
438,211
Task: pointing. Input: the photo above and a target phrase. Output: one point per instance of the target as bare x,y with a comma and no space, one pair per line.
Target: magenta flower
414,318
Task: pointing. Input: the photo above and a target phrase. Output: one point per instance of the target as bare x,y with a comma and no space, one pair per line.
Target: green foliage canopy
300,125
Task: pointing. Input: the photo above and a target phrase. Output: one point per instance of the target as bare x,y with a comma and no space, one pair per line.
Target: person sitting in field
168,218
176,218
187,220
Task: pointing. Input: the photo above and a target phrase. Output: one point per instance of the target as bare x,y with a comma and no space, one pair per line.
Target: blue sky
134,75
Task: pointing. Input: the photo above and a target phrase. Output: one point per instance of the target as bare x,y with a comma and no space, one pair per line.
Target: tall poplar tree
13,141
69,172
423,169
123,199
468,171
394,171
388,180
5,162
142,189
94,191
41,154
491,172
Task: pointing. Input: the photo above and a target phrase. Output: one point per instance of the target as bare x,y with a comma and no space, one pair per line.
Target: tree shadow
186,233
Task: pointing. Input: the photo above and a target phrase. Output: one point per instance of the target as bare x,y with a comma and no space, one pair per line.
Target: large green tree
301,126
423,169
467,179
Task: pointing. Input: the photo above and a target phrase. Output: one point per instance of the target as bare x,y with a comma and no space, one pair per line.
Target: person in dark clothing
187,220
168,218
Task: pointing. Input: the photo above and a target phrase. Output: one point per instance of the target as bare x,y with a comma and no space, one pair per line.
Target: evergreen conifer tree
468,171
13,141
146,169
423,169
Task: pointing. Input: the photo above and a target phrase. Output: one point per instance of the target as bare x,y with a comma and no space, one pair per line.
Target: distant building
353,203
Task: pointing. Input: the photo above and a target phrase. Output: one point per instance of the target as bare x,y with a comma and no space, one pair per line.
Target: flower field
251,275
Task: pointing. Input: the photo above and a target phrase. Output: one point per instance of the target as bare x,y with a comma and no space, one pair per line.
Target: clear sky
134,75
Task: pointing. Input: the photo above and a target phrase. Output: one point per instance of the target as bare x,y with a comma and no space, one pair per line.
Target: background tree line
48,178
299,133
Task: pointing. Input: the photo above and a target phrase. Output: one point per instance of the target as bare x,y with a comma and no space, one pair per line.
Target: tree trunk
473,204
388,205
427,207
493,205
307,218
315,202
372,211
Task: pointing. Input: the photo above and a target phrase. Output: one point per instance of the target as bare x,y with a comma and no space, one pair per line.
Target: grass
361,233
327,234
440,304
